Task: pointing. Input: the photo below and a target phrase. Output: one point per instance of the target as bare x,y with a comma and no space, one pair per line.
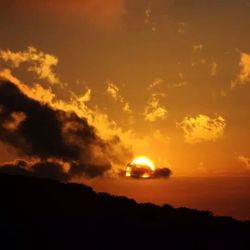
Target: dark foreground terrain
45,214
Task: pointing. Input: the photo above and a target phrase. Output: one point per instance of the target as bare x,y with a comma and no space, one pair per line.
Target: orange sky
170,78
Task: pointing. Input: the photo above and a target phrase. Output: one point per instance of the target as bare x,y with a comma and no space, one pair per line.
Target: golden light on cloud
244,75
155,110
143,160
39,63
140,167
114,92
144,168
202,128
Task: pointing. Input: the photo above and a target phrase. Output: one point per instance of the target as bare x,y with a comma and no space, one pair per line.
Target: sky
168,79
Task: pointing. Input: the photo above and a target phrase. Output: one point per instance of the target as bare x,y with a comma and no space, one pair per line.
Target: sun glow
143,161
128,171
140,167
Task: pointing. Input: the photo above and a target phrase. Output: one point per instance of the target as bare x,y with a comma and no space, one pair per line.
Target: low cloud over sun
143,168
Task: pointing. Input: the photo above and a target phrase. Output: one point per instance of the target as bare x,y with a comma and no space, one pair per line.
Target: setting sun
140,167
144,161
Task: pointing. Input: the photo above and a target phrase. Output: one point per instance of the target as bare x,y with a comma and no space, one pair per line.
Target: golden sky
170,78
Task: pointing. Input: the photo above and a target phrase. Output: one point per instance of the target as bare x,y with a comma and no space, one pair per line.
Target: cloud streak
114,91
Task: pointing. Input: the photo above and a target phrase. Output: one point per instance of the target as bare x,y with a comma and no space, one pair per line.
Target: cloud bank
53,137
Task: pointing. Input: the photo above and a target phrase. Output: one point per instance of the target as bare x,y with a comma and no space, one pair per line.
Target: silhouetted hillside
45,214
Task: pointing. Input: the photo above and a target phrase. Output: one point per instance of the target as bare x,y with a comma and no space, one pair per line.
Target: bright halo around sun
143,161
140,167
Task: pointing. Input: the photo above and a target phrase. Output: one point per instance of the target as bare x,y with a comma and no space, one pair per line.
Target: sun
141,167
144,161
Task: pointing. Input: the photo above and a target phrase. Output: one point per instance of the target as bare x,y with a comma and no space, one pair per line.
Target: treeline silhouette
46,214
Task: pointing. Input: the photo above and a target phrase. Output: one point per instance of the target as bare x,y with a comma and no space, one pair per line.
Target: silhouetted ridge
45,214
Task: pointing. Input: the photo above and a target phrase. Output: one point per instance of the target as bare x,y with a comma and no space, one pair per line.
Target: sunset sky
168,79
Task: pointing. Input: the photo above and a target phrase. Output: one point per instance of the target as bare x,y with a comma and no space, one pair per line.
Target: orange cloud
114,91
245,160
244,75
202,128
39,62
154,110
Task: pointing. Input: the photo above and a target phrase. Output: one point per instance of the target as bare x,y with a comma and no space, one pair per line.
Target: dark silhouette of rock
46,214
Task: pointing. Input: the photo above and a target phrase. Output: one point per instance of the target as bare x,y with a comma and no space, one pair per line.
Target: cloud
214,69
154,110
244,74
182,82
15,119
42,132
114,91
39,62
182,27
123,144
42,169
245,160
145,172
219,93
162,173
198,47
199,62
202,128
157,82
212,66
148,19
106,128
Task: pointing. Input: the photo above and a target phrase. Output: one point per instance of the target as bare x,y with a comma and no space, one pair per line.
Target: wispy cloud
155,110
38,62
214,69
180,83
155,83
198,47
114,91
148,19
244,74
245,160
202,128
182,26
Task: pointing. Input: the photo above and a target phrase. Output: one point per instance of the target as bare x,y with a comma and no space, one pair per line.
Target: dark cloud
42,169
162,173
19,167
43,133
140,171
